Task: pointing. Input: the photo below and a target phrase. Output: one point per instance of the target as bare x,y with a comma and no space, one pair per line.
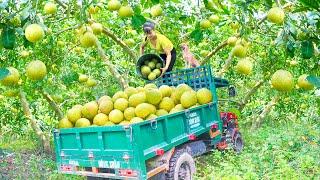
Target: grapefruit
34,33
74,114
50,8
188,99
12,78
83,122
90,110
116,116
282,80
114,5
276,15
65,123
204,96
36,70
303,83
125,11
100,119
244,66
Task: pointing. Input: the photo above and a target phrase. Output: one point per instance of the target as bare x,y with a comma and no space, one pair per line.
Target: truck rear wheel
181,166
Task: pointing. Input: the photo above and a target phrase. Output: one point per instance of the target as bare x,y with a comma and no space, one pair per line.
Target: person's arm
143,44
168,61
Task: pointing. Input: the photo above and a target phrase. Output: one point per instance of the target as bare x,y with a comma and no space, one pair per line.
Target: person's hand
163,70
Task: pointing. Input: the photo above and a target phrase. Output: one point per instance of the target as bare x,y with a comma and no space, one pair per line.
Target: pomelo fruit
137,99
205,24
282,80
136,120
156,10
74,114
96,28
239,51
104,98
121,104
83,78
36,70
50,8
12,78
276,15
34,33
91,82
109,123
153,96
145,70
188,99
100,119
129,113
151,116
165,90
157,72
105,106
232,41
166,104
303,83
204,96
116,116
65,123
88,39
123,123
114,5
143,110
152,76
119,94
82,122
90,110
125,11
244,66
130,91
161,112
214,19
150,85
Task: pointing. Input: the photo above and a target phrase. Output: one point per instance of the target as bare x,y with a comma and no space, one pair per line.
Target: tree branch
257,123
224,43
53,105
124,84
33,122
126,48
250,93
61,4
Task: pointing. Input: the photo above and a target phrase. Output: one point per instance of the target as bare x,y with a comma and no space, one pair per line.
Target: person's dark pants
173,59
166,77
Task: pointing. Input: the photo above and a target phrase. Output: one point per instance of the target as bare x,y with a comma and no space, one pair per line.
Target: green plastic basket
144,58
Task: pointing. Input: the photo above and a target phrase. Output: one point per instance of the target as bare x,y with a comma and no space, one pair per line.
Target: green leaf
4,73
137,10
68,79
290,48
8,37
311,4
197,35
314,80
307,49
137,21
155,1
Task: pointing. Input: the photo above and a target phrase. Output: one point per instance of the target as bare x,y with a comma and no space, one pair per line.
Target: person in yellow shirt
161,44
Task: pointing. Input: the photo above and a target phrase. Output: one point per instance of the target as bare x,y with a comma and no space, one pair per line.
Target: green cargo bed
111,149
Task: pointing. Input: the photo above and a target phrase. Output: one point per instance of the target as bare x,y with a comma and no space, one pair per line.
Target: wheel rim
184,172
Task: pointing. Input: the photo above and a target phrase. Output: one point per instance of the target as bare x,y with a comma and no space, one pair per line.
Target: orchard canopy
55,54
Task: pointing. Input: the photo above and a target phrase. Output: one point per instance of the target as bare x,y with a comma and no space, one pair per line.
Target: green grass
276,151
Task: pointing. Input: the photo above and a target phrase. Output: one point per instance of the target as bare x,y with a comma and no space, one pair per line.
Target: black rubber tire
238,143
181,164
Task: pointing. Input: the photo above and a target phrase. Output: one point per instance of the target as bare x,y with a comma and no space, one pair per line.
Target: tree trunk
257,122
45,142
53,105
123,82
249,94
